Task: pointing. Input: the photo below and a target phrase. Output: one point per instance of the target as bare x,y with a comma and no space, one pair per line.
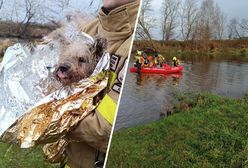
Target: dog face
78,60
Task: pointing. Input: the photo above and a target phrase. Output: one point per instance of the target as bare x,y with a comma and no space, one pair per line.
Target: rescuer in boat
150,61
175,61
141,60
146,60
159,60
138,60
156,61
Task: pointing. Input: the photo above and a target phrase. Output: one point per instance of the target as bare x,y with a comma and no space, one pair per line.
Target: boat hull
166,69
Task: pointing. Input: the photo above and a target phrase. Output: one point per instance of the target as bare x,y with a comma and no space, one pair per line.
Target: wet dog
78,60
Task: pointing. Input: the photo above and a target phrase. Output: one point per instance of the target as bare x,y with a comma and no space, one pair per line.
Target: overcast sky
15,9
231,8
84,5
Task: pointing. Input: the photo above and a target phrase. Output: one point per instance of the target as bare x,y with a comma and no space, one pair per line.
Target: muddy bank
31,31
11,33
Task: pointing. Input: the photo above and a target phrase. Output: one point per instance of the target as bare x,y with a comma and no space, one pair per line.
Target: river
145,97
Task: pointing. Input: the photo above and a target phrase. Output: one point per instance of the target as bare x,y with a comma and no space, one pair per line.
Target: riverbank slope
206,130
187,49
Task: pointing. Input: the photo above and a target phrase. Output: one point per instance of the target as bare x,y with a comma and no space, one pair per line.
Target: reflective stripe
107,108
139,53
112,77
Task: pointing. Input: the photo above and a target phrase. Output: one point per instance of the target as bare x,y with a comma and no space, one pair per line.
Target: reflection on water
145,97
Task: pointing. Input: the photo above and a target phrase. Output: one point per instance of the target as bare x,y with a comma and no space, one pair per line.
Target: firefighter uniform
92,134
161,60
175,61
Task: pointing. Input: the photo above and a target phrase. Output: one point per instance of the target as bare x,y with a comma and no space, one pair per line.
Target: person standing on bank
115,22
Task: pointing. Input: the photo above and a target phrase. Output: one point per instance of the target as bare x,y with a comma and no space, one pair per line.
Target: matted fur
77,60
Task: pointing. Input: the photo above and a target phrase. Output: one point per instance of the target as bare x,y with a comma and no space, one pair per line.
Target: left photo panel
62,65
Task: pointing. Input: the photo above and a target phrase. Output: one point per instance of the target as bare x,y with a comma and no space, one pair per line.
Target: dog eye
81,59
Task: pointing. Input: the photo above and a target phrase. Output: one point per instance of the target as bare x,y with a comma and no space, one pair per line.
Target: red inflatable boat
166,69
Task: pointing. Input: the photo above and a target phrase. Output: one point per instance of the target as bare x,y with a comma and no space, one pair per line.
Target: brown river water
145,97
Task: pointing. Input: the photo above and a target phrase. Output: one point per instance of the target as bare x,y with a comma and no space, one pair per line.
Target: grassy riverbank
230,53
205,131
12,156
237,48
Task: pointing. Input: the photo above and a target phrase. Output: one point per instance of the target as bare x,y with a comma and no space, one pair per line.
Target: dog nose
64,67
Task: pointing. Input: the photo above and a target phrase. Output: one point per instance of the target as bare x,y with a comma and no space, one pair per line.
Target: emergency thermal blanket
34,107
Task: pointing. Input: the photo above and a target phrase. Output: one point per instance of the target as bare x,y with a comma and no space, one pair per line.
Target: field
12,156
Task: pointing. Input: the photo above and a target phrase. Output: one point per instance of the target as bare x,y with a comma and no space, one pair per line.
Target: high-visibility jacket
139,53
117,27
94,131
160,58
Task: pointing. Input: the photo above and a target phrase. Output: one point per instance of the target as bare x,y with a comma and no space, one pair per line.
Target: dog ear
99,46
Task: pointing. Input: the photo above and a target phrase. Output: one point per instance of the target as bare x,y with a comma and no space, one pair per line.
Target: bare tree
218,23
234,29
169,11
205,23
145,22
50,9
64,3
212,21
188,18
1,4
244,25
29,14
45,10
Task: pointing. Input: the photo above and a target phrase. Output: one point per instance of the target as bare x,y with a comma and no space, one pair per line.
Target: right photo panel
185,97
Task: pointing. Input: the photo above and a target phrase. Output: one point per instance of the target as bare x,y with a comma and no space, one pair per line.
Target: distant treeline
212,48
10,29
192,45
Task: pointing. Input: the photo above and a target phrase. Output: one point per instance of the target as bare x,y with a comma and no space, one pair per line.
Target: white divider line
128,59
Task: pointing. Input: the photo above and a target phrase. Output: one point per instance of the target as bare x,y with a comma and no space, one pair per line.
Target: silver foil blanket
34,107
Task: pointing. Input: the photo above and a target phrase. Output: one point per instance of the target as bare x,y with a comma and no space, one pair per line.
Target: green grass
12,156
211,132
